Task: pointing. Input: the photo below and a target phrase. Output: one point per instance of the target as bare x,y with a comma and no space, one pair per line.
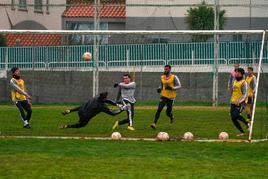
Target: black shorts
236,110
250,100
167,101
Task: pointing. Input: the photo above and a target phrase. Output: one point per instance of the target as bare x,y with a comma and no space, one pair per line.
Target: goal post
257,86
204,61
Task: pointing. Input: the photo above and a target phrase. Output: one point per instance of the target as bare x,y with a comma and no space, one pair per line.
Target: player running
238,98
167,89
251,81
126,93
90,109
20,97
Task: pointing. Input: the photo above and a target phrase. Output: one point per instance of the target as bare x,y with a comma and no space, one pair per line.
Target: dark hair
103,95
14,69
241,70
168,66
127,74
250,68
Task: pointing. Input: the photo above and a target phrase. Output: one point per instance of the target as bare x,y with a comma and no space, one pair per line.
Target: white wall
51,20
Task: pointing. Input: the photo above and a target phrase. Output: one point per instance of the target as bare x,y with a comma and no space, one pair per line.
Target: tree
202,18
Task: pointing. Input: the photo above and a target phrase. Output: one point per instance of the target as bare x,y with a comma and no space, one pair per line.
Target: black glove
158,90
115,85
168,88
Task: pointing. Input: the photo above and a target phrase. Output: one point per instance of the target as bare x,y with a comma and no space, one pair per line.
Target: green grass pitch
53,158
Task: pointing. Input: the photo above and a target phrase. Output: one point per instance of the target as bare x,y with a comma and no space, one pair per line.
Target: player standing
20,97
238,99
167,89
126,93
251,81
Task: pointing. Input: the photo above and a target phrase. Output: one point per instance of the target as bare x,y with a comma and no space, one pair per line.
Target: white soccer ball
116,136
188,136
223,136
162,136
87,56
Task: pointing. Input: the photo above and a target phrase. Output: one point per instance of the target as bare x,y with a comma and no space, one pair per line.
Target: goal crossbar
133,32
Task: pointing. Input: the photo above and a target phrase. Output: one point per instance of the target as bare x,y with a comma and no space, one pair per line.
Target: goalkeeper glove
115,85
121,107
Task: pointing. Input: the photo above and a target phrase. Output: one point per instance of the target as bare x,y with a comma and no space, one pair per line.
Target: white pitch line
77,138
131,139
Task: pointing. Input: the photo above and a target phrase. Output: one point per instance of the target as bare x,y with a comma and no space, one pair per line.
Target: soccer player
20,97
238,98
126,93
251,81
167,89
232,77
90,109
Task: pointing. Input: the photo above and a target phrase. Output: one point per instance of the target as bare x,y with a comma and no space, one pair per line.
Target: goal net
58,78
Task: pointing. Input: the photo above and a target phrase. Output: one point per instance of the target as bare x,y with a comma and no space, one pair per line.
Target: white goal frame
157,32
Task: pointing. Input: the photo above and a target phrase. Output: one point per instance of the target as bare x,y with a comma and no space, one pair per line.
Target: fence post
127,58
6,59
193,57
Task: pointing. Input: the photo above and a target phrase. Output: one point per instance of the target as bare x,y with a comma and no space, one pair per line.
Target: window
12,5
38,5
86,39
22,5
47,7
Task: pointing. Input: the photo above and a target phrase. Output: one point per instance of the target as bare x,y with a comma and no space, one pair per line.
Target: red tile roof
87,10
33,39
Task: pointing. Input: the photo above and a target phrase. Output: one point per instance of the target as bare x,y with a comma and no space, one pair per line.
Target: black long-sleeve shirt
95,106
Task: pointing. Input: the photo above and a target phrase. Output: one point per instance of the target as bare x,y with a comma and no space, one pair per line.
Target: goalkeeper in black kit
90,109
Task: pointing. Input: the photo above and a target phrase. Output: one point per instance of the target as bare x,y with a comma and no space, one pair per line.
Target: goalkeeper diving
90,109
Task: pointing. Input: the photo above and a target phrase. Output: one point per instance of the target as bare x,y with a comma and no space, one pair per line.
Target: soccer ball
87,56
223,136
162,136
188,136
116,136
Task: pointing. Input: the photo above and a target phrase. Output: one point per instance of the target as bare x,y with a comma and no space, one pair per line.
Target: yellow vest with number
237,90
250,90
16,96
168,81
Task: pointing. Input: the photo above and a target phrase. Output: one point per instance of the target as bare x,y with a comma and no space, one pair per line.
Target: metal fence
68,57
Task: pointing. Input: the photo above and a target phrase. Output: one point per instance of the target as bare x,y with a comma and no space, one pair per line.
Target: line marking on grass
132,139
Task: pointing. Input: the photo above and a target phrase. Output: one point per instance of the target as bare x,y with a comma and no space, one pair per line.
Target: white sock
25,122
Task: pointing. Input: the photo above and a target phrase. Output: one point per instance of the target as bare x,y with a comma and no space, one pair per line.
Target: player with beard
167,89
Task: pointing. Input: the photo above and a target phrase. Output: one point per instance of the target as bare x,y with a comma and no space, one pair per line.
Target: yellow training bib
250,90
16,96
237,91
168,81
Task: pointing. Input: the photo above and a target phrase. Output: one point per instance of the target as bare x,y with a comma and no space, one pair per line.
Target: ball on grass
116,136
162,136
223,136
188,136
87,56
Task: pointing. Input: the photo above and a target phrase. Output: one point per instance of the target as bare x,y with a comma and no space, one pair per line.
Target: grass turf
202,121
32,158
